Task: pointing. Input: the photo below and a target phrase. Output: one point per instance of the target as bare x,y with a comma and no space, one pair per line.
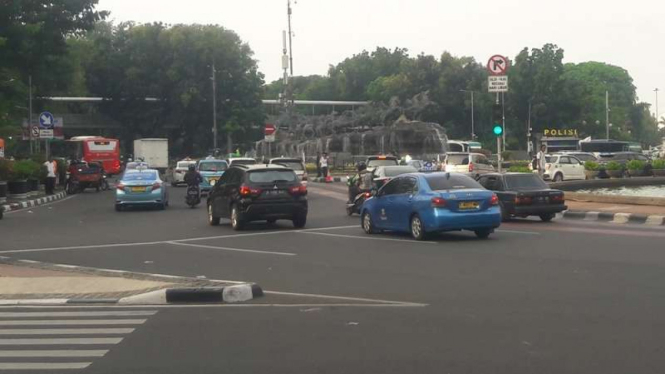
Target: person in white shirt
324,164
542,161
51,169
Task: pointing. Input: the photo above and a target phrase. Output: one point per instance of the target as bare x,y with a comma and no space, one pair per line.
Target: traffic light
497,120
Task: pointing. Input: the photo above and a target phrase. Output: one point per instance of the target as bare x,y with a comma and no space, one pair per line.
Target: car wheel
118,208
558,177
300,221
237,222
547,217
212,219
367,224
417,228
483,234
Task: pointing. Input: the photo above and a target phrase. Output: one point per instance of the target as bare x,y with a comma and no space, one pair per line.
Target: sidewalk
32,282
615,208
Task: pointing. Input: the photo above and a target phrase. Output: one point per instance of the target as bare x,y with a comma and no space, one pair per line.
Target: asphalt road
563,297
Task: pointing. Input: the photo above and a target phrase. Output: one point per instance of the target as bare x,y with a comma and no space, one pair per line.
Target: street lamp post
607,114
473,131
657,114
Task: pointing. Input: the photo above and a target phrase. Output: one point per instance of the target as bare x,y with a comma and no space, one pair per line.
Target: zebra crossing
47,340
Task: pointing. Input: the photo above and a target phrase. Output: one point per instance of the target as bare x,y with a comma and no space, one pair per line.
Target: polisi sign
560,132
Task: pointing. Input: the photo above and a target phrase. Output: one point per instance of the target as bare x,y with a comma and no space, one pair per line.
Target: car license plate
540,200
274,192
469,205
138,189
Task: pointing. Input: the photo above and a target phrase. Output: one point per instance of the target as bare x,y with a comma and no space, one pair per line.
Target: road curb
334,180
618,218
33,203
211,293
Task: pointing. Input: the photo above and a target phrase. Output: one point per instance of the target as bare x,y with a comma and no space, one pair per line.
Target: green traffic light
498,130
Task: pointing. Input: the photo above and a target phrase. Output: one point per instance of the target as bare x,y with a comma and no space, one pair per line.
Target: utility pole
529,145
503,115
473,132
214,106
290,37
607,114
30,113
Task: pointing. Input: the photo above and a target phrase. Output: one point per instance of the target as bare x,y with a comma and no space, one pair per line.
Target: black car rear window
524,182
450,181
295,165
272,176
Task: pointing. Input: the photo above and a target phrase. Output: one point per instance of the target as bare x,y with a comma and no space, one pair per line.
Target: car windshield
524,182
213,166
457,159
398,170
451,181
142,176
294,165
551,159
381,162
272,176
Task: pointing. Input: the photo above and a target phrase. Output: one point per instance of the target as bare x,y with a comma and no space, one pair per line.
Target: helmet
361,166
191,167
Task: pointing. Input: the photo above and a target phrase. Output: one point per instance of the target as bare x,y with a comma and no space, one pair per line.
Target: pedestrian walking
51,169
318,164
541,159
323,162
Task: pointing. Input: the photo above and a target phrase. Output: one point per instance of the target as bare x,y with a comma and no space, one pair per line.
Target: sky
629,34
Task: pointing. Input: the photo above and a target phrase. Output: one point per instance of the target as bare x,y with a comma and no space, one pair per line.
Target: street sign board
497,83
35,131
270,129
497,65
270,138
45,134
46,121
34,127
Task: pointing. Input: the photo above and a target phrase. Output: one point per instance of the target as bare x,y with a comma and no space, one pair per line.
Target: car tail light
298,190
557,198
523,200
494,200
246,191
120,186
156,186
368,195
438,202
470,167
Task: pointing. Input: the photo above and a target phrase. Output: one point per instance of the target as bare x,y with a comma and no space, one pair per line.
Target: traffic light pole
498,138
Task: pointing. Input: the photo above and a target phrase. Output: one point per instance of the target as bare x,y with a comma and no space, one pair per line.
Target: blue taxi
141,187
422,204
211,171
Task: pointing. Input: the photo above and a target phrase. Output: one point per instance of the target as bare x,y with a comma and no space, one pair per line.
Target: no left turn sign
497,65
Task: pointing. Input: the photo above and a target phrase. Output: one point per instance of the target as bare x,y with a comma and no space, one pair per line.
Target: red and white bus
99,149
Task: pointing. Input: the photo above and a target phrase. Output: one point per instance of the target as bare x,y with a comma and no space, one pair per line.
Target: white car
562,168
469,164
294,164
241,161
180,170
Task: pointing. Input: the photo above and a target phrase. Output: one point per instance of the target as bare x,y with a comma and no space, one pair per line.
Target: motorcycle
105,183
357,203
193,196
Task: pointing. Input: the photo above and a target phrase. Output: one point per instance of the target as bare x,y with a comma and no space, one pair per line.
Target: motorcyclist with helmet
359,182
193,177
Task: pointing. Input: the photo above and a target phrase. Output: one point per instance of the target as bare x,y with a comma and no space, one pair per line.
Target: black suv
248,193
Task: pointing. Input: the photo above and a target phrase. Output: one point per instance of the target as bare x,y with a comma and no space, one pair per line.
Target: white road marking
368,237
70,322
318,296
518,232
78,314
43,365
233,249
135,244
60,341
82,331
55,353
